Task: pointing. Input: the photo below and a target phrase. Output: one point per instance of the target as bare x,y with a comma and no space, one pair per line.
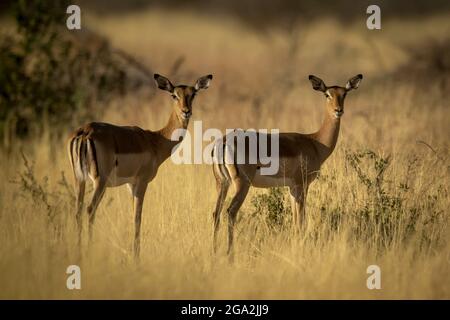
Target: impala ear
354,82
317,83
203,82
163,83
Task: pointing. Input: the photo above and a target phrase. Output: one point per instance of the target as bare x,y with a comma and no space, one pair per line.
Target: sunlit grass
256,84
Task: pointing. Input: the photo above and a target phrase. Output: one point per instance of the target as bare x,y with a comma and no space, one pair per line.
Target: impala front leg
298,204
138,200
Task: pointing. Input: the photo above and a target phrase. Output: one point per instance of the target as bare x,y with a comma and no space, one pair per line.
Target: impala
114,155
300,159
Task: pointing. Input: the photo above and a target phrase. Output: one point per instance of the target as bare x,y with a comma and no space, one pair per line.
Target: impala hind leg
138,191
99,190
241,190
222,188
81,186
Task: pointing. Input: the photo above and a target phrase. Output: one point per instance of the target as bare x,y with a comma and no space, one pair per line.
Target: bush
377,210
52,201
47,77
386,218
273,208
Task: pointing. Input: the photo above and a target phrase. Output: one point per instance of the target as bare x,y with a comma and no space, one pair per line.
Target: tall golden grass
260,82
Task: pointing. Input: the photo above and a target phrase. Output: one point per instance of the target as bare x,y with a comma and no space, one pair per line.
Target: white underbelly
115,180
267,181
126,169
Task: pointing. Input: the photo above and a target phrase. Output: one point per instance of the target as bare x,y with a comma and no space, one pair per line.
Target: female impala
112,156
300,158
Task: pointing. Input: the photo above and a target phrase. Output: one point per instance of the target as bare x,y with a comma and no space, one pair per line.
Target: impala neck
173,124
327,136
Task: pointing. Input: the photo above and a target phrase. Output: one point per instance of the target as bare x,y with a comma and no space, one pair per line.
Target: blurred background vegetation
49,76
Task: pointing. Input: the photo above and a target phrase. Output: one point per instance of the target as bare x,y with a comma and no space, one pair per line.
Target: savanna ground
382,197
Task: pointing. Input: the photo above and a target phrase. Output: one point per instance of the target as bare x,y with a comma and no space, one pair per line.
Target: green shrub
388,216
48,77
272,207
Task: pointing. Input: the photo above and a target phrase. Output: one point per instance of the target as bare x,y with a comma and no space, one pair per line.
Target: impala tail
83,157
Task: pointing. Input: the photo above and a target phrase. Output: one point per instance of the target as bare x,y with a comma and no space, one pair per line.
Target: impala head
182,95
335,95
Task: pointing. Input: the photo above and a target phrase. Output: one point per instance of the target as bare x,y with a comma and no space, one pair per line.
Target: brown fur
300,159
113,155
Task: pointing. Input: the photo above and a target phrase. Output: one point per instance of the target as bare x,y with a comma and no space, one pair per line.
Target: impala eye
174,97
